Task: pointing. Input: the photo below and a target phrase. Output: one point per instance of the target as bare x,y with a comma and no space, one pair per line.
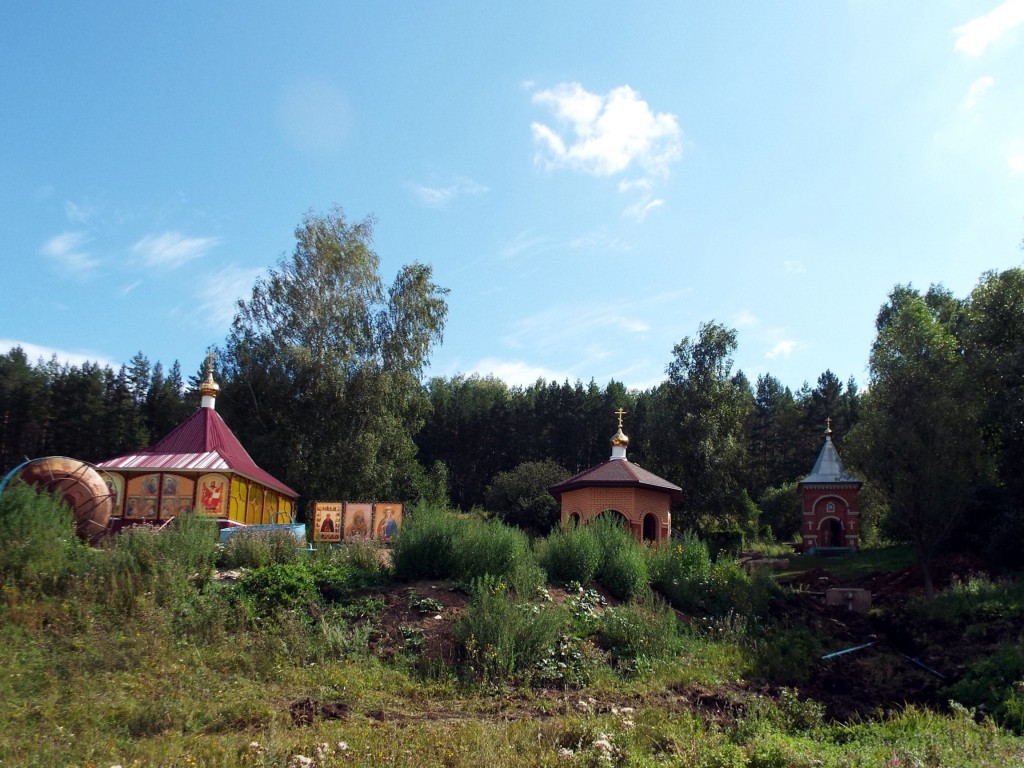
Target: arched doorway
650,531
831,533
574,519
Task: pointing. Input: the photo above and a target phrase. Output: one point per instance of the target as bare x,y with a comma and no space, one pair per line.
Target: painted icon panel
358,519
327,521
387,517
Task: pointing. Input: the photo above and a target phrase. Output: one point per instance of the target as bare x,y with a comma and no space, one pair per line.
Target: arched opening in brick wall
650,531
831,533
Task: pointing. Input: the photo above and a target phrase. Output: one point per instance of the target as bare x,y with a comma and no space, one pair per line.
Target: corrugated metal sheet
202,442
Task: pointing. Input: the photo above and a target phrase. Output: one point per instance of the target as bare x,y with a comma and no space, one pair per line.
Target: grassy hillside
455,649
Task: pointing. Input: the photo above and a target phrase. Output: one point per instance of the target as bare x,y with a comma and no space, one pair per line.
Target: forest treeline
322,378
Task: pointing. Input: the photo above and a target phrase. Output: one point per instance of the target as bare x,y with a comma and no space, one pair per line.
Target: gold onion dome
209,387
620,438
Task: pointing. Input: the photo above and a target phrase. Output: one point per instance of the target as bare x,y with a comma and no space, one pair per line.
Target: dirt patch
419,617
306,711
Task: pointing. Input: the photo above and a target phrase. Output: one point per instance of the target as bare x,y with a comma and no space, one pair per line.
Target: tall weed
500,636
424,547
39,550
573,554
490,547
634,633
623,569
259,548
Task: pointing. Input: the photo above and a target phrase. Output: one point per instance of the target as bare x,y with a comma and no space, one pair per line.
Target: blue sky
592,181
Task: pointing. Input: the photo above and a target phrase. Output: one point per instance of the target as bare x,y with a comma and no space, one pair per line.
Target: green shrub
275,588
169,563
500,636
728,543
490,547
259,548
996,685
38,545
570,555
424,547
786,657
632,632
684,574
623,568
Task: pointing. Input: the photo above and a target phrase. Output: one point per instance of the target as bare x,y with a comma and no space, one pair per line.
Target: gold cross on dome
620,413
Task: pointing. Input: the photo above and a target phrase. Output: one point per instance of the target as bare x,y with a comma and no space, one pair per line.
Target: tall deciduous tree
323,364
696,429
919,438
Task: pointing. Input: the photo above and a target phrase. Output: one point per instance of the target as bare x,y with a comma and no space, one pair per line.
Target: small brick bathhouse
618,486
829,496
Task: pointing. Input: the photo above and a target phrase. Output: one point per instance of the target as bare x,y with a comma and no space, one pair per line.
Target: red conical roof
202,442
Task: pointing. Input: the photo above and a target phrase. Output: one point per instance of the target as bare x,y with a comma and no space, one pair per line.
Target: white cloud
525,243
782,349
572,326
605,134
67,250
976,91
977,34
601,241
745,319
516,373
171,250
35,352
438,197
1016,163
638,211
793,267
219,292
78,213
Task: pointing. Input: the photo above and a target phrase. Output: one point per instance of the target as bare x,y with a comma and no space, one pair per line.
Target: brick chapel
620,487
831,519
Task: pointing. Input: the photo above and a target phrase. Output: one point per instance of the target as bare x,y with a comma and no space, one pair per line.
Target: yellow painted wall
239,499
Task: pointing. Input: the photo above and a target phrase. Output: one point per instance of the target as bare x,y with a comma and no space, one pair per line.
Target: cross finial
828,425
620,413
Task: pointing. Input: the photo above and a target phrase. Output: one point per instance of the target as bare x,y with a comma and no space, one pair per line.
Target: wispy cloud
79,213
171,250
782,349
793,267
977,34
516,373
219,293
638,211
976,91
1016,162
601,241
35,352
745,319
605,134
440,196
573,326
68,251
